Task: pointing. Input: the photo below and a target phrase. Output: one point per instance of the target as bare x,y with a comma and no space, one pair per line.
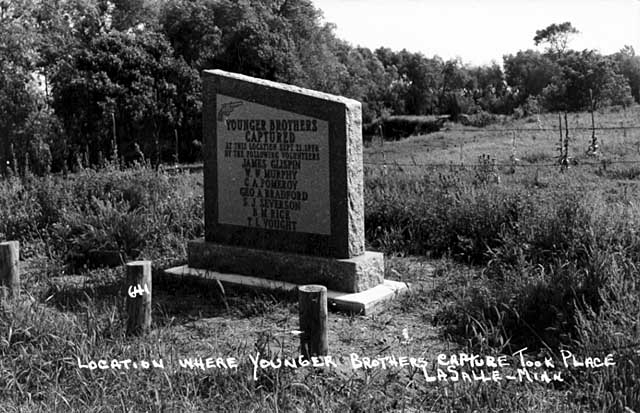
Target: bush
106,226
455,104
557,263
479,120
397,127
133,212
19,210
422,216
613,330
529,108
548,256
537,157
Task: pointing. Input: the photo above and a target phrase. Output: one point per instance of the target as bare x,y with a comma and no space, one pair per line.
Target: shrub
418,215
135,212
19,210
537,157
547,254
554,265
530,107
398,127
110,226
479,120
613,330
455,104
630,173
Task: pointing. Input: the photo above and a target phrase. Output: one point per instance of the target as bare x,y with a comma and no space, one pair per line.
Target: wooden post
593,148
560,129
9,271
566,135
114,141
312,303
176,156
566,142
138,297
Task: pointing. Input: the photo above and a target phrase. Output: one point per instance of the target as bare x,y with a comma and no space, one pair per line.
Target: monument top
281,86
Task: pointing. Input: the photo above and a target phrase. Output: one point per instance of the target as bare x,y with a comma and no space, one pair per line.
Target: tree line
82,81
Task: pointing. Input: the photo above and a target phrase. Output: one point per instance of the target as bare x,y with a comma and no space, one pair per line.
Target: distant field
534,143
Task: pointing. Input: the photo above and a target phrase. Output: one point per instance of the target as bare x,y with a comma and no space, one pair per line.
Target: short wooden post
9,270
138,297
312,303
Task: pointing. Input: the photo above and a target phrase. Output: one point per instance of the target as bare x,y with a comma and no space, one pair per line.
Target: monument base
364,302
352,275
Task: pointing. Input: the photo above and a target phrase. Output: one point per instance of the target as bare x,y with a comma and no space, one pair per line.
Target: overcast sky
480,31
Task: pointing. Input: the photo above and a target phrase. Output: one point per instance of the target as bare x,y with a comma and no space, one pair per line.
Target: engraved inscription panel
273,168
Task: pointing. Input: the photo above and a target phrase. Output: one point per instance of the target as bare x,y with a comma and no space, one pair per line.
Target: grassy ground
536,139
44,336
498,259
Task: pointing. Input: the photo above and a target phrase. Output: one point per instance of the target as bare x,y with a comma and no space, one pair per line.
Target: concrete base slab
364,302
350,275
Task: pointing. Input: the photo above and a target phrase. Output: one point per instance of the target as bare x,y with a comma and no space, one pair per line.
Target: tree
65,26
18,58
302,17
628,65
133,76
126,13
257,40
489,89
528,73
374,82
581,72
556,35
190,28
452,99
322,69
421,79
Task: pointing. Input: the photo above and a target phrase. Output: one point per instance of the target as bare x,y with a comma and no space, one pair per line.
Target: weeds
131,212
547,266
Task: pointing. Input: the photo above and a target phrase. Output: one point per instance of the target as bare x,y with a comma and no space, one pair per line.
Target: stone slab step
366,302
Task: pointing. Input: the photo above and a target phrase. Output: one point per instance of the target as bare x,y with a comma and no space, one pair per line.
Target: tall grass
559,267
462,214
134,212
549,264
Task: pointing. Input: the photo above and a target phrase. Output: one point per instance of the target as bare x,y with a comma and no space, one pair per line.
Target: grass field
499,259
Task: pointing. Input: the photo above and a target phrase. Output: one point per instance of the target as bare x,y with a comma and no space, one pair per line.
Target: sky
481,31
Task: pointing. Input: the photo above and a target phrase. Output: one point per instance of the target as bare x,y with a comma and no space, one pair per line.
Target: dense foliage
93,78
133,212
132,81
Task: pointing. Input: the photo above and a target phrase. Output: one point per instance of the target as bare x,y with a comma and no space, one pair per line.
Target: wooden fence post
9,270
138,297
312,303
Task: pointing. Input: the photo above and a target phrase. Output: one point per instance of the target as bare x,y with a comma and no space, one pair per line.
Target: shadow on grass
186,299
76,293
174,300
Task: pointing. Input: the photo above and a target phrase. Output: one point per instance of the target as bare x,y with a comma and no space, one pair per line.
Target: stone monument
283,188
